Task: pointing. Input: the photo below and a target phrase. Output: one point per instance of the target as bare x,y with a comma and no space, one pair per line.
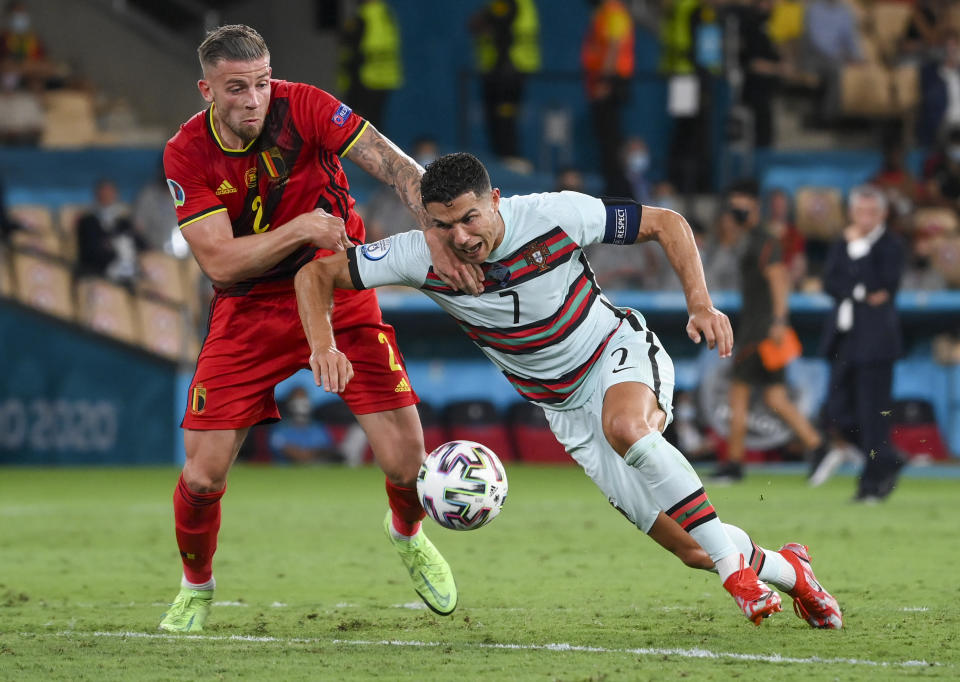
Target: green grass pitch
559,587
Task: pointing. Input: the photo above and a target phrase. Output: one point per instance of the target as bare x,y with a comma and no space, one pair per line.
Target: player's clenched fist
325,230
331,370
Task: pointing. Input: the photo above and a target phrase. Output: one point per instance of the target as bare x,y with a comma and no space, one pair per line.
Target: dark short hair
452,175
745,186
234,43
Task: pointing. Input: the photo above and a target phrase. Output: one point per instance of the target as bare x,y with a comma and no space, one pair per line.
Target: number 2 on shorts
394,365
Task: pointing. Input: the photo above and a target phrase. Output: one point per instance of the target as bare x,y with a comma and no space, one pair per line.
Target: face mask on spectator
19,22
638,162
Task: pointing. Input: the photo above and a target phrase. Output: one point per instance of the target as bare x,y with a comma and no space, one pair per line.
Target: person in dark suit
862,338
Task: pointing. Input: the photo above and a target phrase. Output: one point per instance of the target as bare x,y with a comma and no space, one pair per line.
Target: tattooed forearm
385,161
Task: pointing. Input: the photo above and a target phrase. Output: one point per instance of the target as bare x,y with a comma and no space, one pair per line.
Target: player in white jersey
603,378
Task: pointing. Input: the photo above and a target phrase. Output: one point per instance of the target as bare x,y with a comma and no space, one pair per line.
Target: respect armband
623,220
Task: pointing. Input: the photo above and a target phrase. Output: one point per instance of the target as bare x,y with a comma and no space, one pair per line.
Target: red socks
407,510
197,517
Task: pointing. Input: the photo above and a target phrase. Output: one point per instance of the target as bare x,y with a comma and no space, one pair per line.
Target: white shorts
633,354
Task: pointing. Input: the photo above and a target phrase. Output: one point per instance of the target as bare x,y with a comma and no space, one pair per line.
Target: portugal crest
536,253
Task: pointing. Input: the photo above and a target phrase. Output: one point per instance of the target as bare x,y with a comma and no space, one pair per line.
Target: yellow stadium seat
40,233
905,80
6,278
67,216
69,119
888,21
820,213
106,308
162,328
162,277
865,90
44,283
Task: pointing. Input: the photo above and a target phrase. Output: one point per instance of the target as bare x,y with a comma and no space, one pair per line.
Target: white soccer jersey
541,318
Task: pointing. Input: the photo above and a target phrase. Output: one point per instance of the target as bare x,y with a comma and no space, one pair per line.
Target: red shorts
256,341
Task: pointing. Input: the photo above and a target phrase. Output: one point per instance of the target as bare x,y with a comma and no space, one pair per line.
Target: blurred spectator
862,338
155,217
665,196
607,57
299,439
832,40
7,223
920,273
721,255
636,158
371,66
941,173
762,67
792,243
507,35
763,318
569,178
385,213
897,183
940,92
924,29
786,28
107,243
23,56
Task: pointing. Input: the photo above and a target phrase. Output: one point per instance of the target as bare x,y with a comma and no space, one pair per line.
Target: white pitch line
559,647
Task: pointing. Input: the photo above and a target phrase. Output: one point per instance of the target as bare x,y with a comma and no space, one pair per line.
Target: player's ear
205,90
495,198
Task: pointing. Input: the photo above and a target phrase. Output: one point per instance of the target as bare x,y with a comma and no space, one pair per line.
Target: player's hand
454,272
331,369
713,326
325,230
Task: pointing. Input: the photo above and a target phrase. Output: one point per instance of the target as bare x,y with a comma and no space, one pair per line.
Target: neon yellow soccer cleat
188,612
429,571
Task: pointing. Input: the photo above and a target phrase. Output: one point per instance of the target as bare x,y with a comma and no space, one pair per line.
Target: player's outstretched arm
228,259
314,284
673,233
385,161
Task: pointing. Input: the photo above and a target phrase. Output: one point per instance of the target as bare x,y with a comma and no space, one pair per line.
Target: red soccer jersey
290,169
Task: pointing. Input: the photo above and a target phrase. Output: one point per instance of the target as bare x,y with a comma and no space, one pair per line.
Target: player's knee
624,429
204,482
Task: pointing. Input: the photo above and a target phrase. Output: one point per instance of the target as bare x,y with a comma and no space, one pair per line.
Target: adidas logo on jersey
226,188
403,386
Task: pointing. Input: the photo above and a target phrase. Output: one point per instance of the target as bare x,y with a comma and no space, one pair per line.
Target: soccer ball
462,485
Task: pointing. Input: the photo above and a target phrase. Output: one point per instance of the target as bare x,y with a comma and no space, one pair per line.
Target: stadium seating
946,259
533,440
914,430
865,90
44,283
70,120
887,24
67,216
162,277
163,331
935,221
107,308
40,234
819,212
480,421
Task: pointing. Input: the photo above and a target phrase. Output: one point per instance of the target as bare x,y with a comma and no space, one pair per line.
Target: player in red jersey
259,191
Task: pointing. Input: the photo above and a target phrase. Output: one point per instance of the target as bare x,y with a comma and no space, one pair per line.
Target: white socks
773,568
209,585
677,489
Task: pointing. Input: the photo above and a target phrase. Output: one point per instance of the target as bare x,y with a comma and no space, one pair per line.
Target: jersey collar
216,138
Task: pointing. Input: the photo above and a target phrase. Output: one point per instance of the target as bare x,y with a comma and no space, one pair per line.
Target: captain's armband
623,220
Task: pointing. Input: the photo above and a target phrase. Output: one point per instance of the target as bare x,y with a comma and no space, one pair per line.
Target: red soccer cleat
811,602
755,599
